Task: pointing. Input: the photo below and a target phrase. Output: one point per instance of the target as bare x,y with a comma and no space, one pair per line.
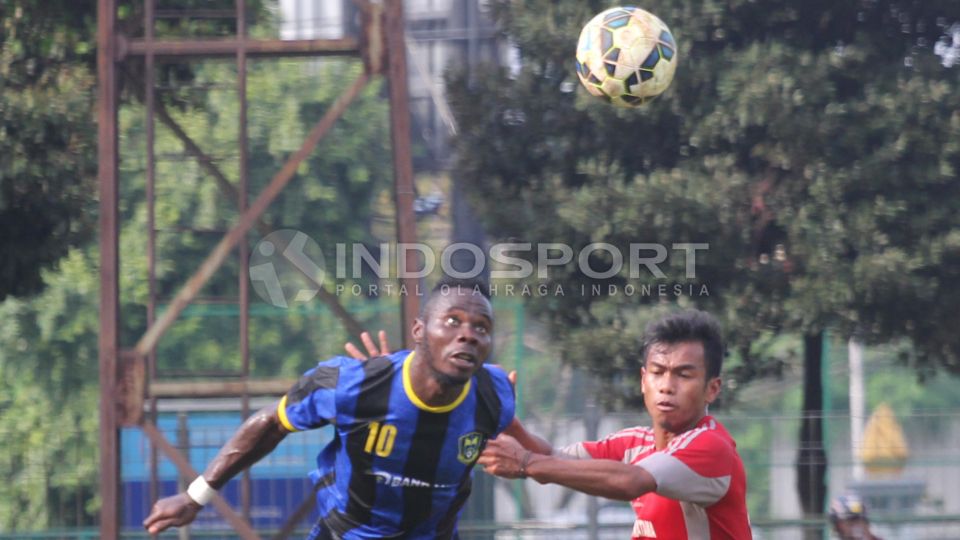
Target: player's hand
372,350
502,457
175,511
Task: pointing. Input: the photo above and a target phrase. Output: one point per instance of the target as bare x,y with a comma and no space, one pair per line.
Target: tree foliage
47,136
48,128
813,145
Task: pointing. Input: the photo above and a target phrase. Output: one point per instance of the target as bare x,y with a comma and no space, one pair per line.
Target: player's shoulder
348,365
708,435
497,377
335,362
394,359
495,372
631,437
634,432
381,368
338,364
492,379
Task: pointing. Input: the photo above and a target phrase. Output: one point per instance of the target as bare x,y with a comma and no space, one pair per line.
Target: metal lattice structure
128,378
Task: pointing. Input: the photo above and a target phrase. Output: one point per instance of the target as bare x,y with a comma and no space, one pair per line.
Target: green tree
47,150
813,145
48,400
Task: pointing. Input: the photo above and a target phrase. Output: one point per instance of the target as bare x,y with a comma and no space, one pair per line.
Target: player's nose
667,384
466,333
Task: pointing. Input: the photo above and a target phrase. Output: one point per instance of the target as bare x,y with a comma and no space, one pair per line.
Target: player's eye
452,321
481,329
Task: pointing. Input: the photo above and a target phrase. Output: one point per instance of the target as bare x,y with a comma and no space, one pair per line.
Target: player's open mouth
666,406
464,359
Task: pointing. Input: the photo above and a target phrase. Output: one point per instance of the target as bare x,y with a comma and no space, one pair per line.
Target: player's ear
713,389
417,331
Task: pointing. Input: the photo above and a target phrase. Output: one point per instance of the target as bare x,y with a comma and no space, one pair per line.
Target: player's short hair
688,325
445,285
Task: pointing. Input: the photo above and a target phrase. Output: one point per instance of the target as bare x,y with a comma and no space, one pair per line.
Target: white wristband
200,491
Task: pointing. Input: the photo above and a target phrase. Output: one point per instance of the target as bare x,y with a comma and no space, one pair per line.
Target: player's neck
430,386
662,436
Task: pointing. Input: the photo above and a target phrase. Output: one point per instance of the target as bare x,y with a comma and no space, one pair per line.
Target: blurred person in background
848,515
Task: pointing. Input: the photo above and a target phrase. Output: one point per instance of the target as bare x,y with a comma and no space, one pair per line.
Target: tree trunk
811,457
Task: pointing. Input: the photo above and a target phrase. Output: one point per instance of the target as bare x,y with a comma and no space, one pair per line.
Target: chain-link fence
922,501
48,487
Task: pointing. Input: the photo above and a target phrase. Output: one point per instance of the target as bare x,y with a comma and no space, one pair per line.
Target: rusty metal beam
243,282
109,341
402,163
170,50
130,388
247,219
371,35
149,84
220,388
188,473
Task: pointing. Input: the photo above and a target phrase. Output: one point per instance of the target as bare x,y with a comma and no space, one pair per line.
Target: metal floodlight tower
127,373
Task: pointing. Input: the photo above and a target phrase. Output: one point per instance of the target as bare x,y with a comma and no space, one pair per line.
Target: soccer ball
626,56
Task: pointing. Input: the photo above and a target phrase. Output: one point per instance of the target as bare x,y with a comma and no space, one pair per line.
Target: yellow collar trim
408,388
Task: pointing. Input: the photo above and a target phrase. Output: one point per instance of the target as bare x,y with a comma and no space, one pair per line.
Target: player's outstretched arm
175,511
257,437
505,457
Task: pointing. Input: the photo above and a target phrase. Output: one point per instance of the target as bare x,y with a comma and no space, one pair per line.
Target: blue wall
279,482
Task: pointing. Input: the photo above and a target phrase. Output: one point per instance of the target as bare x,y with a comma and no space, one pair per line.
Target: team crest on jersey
469,447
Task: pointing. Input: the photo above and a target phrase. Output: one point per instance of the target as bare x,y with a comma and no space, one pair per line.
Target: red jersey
701,485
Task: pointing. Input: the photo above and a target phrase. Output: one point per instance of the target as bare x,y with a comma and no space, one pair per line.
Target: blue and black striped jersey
397,467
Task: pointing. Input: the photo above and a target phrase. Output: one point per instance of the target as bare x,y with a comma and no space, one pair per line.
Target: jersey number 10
380,439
